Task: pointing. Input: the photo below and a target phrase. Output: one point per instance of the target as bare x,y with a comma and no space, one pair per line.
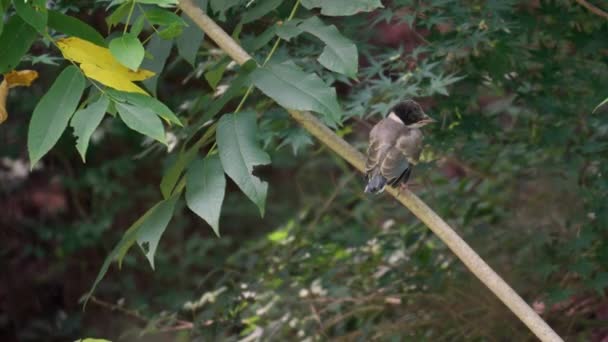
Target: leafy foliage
516,162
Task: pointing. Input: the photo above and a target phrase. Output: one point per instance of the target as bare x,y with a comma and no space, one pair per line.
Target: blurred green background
517,165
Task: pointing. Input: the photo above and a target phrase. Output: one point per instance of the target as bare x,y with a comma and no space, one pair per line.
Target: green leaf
142,120
74,27
237,86
205,187
145,101
297,138
151,229
159,16
261,8
171,31
340,54
221,6
214,75
128,50
161,3
289,29
184,158
155,220
3,8
189,42
240,153
34,12
252,43
19,36
342,7
171,176
52,113
292,88
160,49
599,283
119,13
137,26
89,339
86,120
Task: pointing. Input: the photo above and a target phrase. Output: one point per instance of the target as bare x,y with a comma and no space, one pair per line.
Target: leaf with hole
240,152
153,223
151,230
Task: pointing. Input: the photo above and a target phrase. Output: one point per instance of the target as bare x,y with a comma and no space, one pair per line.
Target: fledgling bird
395,144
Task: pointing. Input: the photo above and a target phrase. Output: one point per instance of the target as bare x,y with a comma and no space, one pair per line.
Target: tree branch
593,9
462,250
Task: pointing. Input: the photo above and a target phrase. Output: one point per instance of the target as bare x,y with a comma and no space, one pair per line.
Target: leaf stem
129,17
272,51
149,22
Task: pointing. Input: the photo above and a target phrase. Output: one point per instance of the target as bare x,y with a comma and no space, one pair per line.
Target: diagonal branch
592,8
462,250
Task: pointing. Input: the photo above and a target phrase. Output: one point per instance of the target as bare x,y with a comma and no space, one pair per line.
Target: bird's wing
375,151
409,144
394,165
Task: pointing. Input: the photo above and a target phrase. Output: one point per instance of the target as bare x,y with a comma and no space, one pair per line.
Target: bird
394,147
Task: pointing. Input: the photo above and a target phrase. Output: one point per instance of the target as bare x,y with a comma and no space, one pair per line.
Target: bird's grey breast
409,142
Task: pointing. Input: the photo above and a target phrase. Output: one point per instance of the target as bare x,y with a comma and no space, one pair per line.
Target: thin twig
270,54
593,8
114,307
179,324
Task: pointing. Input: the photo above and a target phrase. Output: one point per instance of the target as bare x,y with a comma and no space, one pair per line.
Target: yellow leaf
20,78
99,64
3,95
110,78
14,79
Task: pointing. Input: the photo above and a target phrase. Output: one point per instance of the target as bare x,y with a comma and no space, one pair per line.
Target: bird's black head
411,113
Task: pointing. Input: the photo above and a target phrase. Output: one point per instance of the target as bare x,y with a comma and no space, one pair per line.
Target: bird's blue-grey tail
375,183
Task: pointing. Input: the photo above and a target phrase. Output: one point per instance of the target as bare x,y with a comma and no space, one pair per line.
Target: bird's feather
393,150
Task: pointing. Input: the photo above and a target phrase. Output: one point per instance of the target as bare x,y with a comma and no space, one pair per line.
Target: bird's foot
402,187
408,186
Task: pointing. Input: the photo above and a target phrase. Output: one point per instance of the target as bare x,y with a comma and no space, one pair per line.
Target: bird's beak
427,120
